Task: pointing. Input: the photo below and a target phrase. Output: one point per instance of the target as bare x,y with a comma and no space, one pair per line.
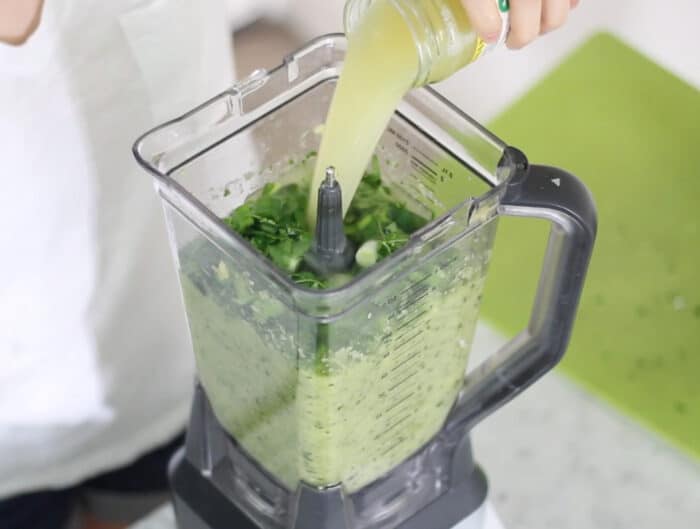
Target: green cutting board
631,131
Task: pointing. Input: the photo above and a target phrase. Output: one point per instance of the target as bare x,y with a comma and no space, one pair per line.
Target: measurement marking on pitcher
415,284
427,176
409,339
403,381
406,323
428,159
399,402
424,292
423,168
406,360
388,429
392,447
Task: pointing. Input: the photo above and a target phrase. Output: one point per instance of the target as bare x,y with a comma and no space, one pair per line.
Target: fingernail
491,37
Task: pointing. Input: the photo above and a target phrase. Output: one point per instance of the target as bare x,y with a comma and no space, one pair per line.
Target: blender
350,408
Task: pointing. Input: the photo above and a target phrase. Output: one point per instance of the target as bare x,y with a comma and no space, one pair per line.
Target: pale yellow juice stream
382,64
380,67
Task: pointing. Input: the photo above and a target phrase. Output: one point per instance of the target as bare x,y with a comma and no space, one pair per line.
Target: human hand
528,19
18,20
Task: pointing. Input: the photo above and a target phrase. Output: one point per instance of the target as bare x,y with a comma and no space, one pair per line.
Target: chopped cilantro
274,222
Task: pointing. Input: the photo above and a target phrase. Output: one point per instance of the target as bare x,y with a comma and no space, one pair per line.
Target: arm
19,20
528,18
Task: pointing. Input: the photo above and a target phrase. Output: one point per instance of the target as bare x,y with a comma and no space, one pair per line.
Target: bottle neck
427,35
441,31
433,27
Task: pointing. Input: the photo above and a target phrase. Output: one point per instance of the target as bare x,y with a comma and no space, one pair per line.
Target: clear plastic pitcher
338,387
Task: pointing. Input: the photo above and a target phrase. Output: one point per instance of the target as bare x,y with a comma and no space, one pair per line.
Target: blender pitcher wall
245,342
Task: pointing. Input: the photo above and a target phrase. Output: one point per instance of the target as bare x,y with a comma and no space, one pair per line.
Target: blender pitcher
349,407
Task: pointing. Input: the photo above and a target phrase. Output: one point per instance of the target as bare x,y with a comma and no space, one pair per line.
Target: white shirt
95,358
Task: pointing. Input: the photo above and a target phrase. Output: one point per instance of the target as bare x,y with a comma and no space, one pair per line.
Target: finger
574,3
525,18
485,18
554,14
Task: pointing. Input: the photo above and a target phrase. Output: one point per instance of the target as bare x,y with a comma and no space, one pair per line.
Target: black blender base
206,507
216,485
201,505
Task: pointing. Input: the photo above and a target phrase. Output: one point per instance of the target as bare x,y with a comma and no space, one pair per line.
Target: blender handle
559,197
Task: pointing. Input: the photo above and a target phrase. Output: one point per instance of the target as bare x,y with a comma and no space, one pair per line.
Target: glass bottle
442,32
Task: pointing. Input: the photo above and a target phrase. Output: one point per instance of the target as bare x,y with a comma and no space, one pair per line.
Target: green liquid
356,412
343,402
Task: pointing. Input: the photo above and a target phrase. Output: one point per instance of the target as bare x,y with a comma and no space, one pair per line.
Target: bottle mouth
425,35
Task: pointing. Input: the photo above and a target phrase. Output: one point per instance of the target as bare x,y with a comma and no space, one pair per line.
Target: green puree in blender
275,223
347,401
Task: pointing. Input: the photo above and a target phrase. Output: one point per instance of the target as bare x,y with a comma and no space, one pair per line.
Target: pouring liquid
395,46
380,67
